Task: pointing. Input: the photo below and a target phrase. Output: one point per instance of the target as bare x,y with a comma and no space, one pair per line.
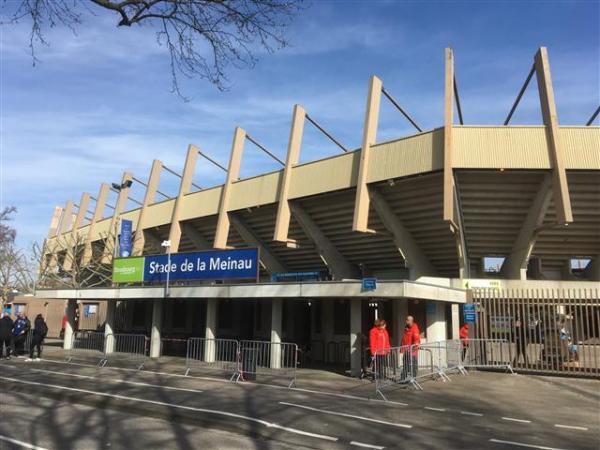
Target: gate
553,331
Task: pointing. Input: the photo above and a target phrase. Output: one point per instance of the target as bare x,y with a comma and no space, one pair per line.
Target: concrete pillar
455,321
70,325
399,312
327,328
276,330
355,331
211,330
109,326
436,321
157,309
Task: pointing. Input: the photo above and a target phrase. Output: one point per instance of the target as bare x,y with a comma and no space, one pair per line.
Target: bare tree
81,274
233,29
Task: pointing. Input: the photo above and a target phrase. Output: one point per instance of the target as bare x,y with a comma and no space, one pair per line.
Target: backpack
43,330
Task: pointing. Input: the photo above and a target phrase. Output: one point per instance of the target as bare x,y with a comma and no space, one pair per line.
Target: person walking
6,338
410,348
463,333
40,330
20,329
521,342
379,343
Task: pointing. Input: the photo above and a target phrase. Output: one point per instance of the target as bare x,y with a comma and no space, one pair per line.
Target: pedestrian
40,330
521,342
6,338
410,348
20,329
379,343
464,339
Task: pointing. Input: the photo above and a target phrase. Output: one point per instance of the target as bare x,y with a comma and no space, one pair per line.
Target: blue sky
99,103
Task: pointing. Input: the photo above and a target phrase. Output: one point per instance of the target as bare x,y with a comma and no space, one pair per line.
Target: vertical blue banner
125,238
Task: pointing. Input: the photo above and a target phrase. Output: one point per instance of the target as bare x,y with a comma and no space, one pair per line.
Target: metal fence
86,345
269,359
554,331
125,348
220,355
486,353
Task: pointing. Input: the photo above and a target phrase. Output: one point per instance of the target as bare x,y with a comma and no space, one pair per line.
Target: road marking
173,405
467,413
326,411
434,409
571,427
516,420
362,444
134,383
520,444
21,443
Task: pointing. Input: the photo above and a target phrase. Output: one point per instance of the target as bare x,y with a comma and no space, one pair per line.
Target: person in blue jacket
20,330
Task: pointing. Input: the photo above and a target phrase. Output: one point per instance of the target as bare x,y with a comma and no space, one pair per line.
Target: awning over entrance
334,289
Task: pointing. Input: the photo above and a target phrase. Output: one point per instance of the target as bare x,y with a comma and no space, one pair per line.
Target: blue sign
431,307
208,265
297,276
125,238
369,284
469,313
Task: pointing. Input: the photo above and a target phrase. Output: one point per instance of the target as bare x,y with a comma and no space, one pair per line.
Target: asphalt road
55,405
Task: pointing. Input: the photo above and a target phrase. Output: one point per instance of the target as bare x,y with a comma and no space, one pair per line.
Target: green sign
128,270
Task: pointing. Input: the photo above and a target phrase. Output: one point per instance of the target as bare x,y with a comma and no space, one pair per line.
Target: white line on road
571,427
467,413
434,409
112,380
520,444
20,443
516,420
362,444
326,411
173,405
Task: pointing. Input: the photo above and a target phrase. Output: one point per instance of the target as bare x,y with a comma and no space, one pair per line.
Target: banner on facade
126,238
208,265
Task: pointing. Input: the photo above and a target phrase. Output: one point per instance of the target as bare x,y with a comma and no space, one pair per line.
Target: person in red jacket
379,344
464,339
410,343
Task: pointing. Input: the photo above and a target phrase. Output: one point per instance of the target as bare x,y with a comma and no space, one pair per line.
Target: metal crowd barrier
394,367
272,359
212,354
487,353
125,348
87,344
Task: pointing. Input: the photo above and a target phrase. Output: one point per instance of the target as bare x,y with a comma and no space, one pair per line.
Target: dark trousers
379,367
410,365
19,344
36,342
521,350
6,341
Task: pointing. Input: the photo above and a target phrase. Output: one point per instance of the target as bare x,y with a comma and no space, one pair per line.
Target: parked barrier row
410,365
109,348
243,360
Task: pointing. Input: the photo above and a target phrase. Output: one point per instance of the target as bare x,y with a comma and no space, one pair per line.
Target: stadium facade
420,214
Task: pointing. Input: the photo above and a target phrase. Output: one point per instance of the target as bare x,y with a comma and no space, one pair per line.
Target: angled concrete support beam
98,214
448,199
50,262
339,266
149,197
416,260
271,262
113,232
515,265
184,188
282,222
195,236
458,230
74,241
562,200
233,172
360,221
